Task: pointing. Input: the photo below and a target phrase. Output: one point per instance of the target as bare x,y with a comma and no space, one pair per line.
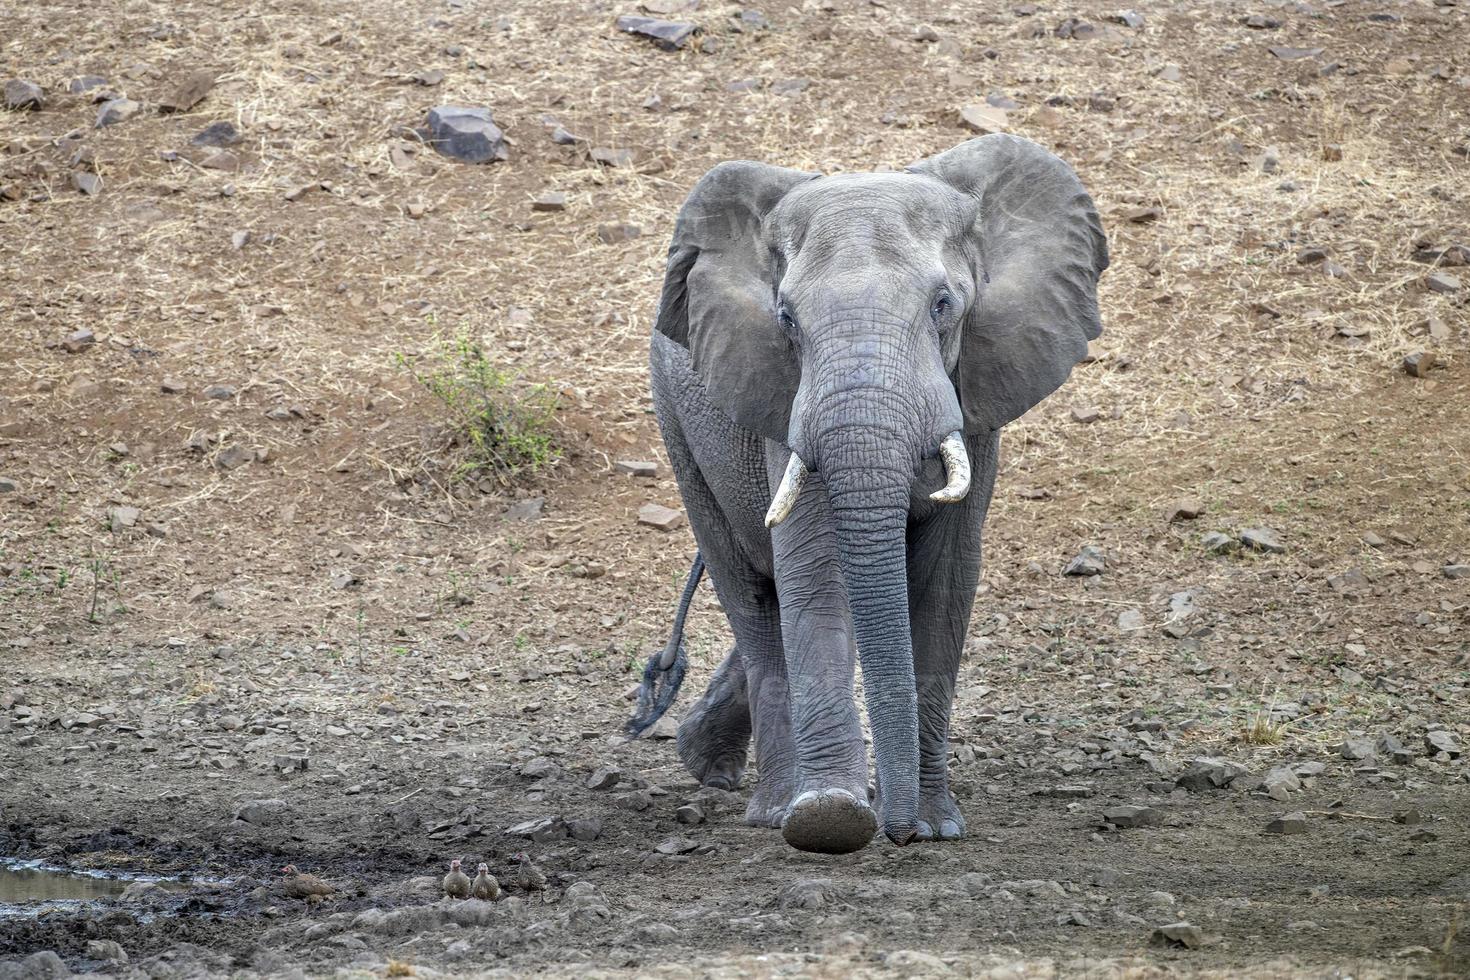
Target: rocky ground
250,617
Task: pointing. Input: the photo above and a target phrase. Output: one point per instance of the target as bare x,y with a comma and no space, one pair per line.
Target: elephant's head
866,321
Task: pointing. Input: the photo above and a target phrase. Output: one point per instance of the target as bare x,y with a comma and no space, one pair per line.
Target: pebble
114,111
550,201
1178,934
983,118
1288,823
1442,282
670,35
611,234
1455,570
87,183
1357,749
1130,816
604,777
466,133
1419,363
1089,561
1208,772
619,159
85,83
24,95
1442,741
689,814
1216,543
262,813
1262,539
222,133
1184,509
636,467
661,517
187,92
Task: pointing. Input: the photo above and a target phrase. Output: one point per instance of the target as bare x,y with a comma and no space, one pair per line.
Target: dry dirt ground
334,623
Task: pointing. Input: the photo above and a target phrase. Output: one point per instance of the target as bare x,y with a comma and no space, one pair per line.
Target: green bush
504,422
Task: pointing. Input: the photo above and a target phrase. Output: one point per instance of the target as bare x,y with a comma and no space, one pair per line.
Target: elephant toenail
949,830
925,832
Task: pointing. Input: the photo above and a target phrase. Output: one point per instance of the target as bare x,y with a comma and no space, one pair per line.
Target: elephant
832,360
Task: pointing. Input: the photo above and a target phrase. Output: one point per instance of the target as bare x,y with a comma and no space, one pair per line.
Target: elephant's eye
787,321
943,303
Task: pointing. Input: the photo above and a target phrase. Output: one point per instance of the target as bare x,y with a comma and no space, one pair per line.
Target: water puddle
29,887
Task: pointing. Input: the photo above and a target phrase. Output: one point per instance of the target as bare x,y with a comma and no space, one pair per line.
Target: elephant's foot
715,736
939,817
769,801
829,821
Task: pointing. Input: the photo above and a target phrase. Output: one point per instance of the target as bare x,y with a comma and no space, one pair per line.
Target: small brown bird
530,877
485,886
308,888
456,883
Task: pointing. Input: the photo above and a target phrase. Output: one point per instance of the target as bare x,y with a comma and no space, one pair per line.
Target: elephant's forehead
846,210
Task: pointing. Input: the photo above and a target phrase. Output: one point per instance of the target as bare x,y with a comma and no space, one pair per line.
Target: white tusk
787,492
956,470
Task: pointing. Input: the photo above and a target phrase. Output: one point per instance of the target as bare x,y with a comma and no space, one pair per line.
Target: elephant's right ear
719,294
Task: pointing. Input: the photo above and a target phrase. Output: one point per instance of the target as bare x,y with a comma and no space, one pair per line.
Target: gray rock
45,965
636,467
122,518
1130,619
114,111
670,35
1178,934
106,949
85,83
88,183
612,234
604,777
808,893
466,133
1209,772
526,510
541,831
21,94
1219,544
1288,823
689,814
1357,749
1262,539
7,485
1456,570
1442,741
1089,561
661,517
1419,363
1280,782
1442,282
262,813
585,829
1129,816
222,133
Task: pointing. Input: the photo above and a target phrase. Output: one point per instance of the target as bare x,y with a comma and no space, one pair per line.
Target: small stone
1089,561
983,118
1357,749
1373,540
526,510
78,341
24,95
171,386
233,457
1311,256
1280,782
1261,22
585,829
1295,54
604,777
1168,73
689,814
1408,817
466,133
1143,216
7,485
1419,363
1289,823
1332,152
615,233
122,518
262,813
1130,619
1216,543
344,580
88,183
790,86
661,517
1129,816
222,133
114,111
107,950
1350,582
239,239
1262,539
1085,414
430,77
550,201
636,467
187,92
1184,509
1209,772
1442,741
1442,282
1455,570
85,83
219,392
1178,934
609,157
1129,18
667,34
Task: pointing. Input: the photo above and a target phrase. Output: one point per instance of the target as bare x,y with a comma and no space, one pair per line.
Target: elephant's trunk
869,470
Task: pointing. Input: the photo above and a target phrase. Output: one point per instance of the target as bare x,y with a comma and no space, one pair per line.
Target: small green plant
504,422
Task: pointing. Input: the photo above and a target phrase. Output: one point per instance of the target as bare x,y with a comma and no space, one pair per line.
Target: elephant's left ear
1039,250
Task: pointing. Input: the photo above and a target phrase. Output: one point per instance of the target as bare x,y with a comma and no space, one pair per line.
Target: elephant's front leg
829,812
943,571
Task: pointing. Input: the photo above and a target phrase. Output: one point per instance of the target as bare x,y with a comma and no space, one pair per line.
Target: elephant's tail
665,670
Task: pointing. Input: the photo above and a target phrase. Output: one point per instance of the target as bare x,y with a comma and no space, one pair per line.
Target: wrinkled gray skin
857,319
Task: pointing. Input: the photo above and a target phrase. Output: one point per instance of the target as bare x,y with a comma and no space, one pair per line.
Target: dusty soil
336,624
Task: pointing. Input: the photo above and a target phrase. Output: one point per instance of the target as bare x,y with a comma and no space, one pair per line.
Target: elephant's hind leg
715,736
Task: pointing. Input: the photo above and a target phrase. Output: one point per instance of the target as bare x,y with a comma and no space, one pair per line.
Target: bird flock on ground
457,884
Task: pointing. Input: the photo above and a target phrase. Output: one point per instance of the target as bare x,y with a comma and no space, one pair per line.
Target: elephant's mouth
956,473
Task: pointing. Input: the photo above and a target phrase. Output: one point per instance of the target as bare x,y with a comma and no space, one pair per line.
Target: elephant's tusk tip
947,496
